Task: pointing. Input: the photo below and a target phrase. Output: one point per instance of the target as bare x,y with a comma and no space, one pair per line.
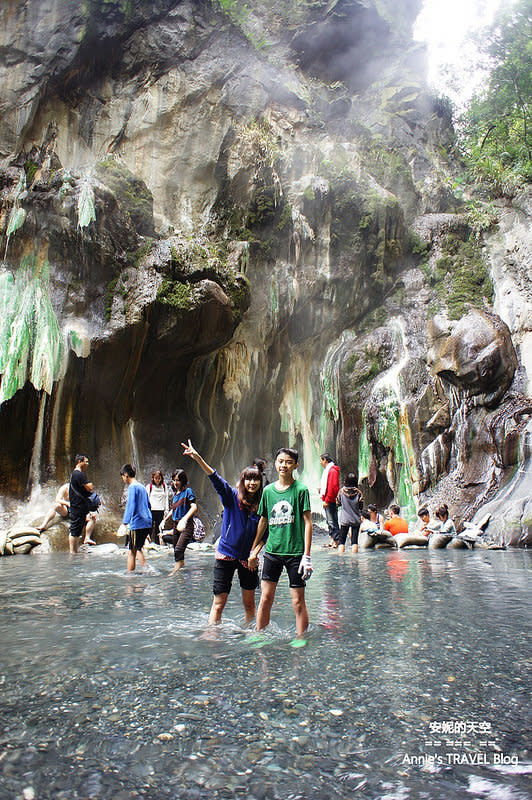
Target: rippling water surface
415,681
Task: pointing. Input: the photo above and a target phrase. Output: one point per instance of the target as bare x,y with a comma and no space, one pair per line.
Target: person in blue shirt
182,508
239,526
137,516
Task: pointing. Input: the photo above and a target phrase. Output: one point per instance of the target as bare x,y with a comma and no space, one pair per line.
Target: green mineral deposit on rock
86,212
31,343
16,220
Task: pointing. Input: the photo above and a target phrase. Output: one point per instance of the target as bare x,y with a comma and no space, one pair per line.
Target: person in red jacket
329,488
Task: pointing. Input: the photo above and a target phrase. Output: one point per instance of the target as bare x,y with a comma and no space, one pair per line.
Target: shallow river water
415,681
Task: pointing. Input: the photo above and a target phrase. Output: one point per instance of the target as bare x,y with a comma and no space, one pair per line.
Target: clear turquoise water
113,688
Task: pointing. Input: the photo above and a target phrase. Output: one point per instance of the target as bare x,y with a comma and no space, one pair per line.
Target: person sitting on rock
372,523
395,524
446,524
427,526
61,506
367,525
375,517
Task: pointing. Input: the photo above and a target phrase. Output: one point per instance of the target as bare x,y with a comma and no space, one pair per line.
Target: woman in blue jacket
239,526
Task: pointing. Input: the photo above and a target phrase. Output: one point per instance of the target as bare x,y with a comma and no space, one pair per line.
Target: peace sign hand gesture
189,450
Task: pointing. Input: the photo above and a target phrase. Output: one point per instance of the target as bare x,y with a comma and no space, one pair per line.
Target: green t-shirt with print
284,512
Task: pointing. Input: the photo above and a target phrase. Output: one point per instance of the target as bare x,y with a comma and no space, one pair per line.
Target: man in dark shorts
79,492
137,516
285,511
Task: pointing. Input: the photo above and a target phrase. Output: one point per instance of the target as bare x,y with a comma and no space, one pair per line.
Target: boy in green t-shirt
285,511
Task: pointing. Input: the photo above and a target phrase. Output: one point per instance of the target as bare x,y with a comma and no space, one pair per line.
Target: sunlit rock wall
240,227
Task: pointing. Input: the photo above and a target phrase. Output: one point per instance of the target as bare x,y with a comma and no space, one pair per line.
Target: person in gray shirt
351,503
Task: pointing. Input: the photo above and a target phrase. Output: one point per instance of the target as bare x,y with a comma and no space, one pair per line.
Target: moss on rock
176,294
460,278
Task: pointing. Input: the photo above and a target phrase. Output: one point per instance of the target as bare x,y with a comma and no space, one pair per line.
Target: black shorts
137,539
273,566
78,520
224,572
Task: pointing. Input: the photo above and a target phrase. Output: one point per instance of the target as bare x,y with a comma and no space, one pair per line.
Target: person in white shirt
158,496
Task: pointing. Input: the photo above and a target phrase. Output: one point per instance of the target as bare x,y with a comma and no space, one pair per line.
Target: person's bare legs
248,601
354,548
177,566
341,548
218,605
132,559
73,543
265,605
300,609
57,509
89,527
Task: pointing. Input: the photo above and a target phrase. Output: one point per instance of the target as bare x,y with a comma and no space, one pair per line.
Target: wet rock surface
238,231
476,355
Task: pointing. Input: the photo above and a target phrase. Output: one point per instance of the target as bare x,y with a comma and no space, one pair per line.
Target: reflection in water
126,692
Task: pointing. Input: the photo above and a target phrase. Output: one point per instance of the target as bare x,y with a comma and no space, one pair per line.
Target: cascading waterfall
392,430
134,444
75,338
34,475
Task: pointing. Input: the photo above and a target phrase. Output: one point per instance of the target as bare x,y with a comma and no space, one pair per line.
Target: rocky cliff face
238,225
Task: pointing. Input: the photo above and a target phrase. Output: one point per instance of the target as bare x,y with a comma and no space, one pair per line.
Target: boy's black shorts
273,566
138,538
223,576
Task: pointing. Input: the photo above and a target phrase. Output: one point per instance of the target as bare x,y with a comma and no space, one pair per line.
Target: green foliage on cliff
363,368
238,289
175,294
30,168
461,278
495,133
239,13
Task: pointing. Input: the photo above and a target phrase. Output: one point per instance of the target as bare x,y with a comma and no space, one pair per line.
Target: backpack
94,501
199,530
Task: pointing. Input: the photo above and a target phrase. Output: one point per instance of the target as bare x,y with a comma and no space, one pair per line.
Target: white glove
305,567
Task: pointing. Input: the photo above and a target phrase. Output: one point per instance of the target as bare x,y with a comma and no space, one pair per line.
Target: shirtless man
61,506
